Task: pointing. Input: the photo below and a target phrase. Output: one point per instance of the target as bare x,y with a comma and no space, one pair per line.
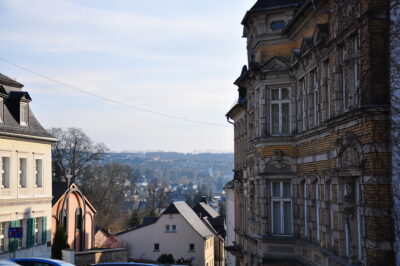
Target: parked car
124,264
7,263
41,262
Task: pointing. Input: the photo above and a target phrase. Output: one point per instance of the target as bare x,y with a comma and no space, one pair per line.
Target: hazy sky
178,57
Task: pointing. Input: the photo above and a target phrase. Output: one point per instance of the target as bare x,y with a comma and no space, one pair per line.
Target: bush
59,243
166,259
183,261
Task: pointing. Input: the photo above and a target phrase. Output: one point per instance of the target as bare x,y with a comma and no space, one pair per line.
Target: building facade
25,175
178,231
312,135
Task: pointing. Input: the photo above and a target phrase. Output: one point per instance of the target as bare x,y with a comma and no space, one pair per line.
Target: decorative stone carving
349,151
275,63
346,13
278,164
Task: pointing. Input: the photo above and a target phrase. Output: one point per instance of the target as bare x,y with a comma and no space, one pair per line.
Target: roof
9,82
263,5
205,210
11,113
268,4
181,207
60,188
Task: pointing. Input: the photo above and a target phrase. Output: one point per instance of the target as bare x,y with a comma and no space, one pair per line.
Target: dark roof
9,82
205,210
262,5
59,189
149,220
190,216
18,95
11,115
268,4
3,91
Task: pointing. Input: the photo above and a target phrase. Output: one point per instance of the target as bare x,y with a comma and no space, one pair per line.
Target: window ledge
156,250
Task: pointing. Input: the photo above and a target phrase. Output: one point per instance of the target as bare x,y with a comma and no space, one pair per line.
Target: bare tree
73,153
108,187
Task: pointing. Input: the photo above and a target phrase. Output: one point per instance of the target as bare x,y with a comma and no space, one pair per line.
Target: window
305,209
315,89
2,236
1,109
356,68
303,103
5,172
317,210
277,25
64,220
78,219
191,247
173,227
282,208
23,116
280,111
156,247
20,241
343,81
22,173
167,228
37,227
325,84
38,173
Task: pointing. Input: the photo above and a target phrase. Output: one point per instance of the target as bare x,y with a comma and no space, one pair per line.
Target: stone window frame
5,183
24,114
38,180
23,174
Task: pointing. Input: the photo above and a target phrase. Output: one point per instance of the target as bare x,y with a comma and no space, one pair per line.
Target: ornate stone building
312,135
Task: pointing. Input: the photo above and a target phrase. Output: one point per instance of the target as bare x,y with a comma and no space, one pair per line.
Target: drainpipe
227,119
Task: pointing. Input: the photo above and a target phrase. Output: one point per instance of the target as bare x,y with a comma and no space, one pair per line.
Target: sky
177,57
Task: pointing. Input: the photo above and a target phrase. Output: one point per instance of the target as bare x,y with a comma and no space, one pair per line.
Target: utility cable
112,100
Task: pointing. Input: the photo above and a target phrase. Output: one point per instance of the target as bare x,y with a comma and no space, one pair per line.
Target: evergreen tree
59,243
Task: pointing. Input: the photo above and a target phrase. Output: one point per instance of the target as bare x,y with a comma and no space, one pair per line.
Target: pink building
76,215
103,239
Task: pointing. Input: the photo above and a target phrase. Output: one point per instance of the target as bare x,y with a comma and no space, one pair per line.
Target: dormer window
1,110
278,25
3,94
23,114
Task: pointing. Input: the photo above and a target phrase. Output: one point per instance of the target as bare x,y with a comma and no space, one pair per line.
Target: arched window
64,220
78,219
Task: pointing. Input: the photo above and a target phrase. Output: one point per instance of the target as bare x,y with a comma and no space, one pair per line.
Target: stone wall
87,258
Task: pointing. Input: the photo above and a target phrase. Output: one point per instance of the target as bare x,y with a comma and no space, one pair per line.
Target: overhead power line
112,100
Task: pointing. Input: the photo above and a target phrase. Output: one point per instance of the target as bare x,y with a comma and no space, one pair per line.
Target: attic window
277,25
23,115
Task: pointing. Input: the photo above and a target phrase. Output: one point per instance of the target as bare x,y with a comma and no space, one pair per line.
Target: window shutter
30,232
44,230
13,242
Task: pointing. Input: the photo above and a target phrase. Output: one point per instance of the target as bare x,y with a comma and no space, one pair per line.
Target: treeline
109,180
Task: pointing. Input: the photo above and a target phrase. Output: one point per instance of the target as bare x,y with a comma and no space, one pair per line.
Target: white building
178,231
25,175
230,223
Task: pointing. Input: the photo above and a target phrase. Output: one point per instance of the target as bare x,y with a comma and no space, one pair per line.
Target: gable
275,64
